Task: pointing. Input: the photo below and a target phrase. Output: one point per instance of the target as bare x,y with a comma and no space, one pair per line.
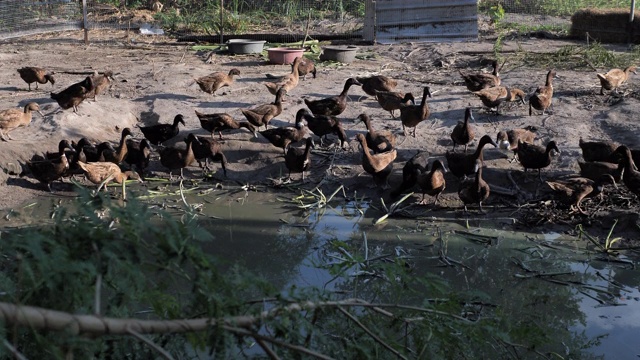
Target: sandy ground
154,83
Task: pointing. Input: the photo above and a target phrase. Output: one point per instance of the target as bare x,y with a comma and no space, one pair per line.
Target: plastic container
343,54
244,46
284,56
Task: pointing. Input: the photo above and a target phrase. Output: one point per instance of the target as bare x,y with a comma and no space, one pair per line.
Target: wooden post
85,23
221,21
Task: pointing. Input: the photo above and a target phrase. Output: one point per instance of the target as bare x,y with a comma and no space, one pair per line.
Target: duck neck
122,148
478,153
367,123
365,151
295,69
495,69
307,149
478,178
423,105
549,81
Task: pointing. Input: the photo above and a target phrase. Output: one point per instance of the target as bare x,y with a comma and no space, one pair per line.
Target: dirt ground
155,82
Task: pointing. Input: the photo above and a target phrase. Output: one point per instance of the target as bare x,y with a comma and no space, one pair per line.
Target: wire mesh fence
27,17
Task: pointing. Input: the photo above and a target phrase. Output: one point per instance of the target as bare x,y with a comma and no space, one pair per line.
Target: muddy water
546,278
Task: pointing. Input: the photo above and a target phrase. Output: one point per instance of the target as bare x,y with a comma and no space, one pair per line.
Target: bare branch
272,354
374,336
13,350
151,344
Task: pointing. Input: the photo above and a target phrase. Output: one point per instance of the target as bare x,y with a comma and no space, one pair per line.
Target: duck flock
604,162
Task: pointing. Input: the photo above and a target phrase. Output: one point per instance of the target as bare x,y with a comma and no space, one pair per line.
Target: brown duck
479,81
415,166
101,83
282,137
176,158
214,81
573,190
298,160
120,153
287,82
47,170
534,156
508,140
541,99
461,164
322,125
474,191
72,96
412,115
613,79
372,84
138,155
595,169
630,177
159,133
307,66
597,150
207,148
332,106
102,173
222,121
391,101
32,74
262,114
432,183
463,132
11,119
378,141
492,97
379,165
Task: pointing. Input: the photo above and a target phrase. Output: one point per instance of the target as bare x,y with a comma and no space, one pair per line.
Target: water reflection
544,279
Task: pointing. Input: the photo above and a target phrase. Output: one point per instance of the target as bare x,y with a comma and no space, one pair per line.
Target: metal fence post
85,23
221,21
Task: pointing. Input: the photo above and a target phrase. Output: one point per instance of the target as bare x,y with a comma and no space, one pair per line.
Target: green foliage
496,13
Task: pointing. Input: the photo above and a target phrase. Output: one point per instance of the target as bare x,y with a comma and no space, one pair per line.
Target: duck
474,190
207,148
322,125
379,165
479,81
595,169
101,83
89,152
138,155
630,176
508,140
176,158
222,121
102,173
283,136
214,81
597,150
11,119
461,164
573,190
432,183
378,141
412,115
372,84
159,133
75,94
332,106
262,114
534,156
541,99
32,74
62,146
107,154
614,78
287,82
47,170
493,96
415,166
306,66
463,132
392,100
298,160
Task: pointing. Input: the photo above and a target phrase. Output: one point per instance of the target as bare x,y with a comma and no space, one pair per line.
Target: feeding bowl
243,46
343,54
284,56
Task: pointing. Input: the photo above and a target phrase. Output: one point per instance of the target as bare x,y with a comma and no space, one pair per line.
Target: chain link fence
28,17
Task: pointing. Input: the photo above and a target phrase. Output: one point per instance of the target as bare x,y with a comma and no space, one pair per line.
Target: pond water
548,277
